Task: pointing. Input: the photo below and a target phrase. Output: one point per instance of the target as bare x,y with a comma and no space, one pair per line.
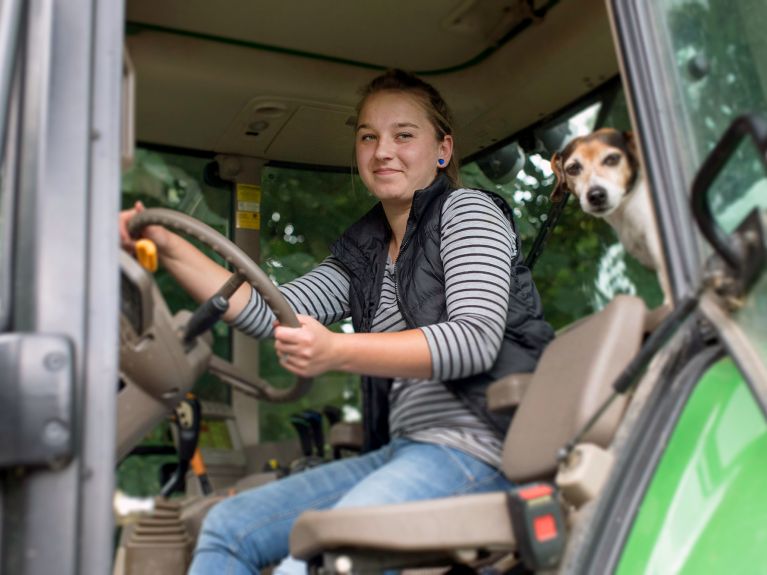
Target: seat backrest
573,378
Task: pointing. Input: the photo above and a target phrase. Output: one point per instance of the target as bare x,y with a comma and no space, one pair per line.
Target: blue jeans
249,531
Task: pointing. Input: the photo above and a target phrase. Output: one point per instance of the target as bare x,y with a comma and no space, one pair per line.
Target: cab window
583,265
303,211
175,180
716,64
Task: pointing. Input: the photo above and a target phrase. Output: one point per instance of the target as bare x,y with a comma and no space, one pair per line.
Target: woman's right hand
158,234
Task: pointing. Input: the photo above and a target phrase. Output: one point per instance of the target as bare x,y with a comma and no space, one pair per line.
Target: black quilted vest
362,249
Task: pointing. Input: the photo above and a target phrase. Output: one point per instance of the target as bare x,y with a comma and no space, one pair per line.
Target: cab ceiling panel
415,35
210,78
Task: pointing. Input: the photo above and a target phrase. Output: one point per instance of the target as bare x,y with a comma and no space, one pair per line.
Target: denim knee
218,525
221,532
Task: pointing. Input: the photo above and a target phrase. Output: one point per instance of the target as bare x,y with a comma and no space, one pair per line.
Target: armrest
505,394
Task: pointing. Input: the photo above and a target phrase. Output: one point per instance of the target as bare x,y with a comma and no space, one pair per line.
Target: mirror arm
746,125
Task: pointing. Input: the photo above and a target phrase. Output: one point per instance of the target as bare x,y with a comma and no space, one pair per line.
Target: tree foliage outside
303,213
719,50
719,72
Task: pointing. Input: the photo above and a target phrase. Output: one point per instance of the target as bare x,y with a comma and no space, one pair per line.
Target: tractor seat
573,377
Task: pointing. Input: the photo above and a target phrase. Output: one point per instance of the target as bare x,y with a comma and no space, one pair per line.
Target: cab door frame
56,516
692,350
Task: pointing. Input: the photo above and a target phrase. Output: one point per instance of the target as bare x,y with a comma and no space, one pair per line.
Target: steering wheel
245,270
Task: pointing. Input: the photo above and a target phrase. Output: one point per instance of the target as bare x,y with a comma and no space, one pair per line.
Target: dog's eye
573,169
612,160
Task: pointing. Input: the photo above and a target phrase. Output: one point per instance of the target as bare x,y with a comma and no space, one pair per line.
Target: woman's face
397,147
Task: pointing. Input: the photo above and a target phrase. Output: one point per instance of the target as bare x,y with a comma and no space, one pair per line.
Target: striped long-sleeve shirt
477,250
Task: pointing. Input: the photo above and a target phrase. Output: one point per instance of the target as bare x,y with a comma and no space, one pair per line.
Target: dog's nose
597,196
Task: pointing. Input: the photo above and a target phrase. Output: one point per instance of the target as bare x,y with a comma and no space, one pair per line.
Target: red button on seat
545,527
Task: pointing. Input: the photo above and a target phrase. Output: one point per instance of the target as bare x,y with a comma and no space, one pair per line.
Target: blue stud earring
441,162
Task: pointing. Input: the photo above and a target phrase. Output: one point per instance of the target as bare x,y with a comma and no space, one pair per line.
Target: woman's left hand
308,350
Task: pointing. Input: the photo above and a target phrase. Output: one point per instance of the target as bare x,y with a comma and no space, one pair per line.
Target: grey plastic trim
8,186
36,386
99,432
65,274
10,24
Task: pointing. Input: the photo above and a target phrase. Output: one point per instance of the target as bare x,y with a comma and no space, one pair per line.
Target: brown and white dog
602,171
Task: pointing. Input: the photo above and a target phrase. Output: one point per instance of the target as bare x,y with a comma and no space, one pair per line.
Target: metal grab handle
747,125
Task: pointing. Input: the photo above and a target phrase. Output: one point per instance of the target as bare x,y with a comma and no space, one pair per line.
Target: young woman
440,305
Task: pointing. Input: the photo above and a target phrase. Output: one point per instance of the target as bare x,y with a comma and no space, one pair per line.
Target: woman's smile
386,172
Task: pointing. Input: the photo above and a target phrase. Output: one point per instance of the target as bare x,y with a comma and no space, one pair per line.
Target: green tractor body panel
705,510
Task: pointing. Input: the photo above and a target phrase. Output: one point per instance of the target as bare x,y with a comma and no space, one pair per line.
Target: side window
719,74
717,69
583,265
176,181
303,212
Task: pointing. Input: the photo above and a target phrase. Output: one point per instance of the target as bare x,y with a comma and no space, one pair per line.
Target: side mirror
742,248
503,165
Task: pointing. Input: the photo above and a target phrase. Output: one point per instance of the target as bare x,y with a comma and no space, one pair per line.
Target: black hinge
36,399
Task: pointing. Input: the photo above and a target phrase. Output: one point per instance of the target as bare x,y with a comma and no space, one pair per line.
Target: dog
602,171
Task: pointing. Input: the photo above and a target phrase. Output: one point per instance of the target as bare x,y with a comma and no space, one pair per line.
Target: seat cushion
467,522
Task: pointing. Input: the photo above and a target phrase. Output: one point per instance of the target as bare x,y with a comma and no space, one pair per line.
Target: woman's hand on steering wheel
309,350
158,234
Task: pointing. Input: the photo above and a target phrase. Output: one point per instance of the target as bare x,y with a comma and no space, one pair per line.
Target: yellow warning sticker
249,193
248,220
248,207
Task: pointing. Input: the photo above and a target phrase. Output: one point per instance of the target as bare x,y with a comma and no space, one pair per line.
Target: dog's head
600,169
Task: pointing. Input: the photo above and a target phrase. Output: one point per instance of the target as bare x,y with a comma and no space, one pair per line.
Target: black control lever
333,414
304,433
315,426
187,418
204,317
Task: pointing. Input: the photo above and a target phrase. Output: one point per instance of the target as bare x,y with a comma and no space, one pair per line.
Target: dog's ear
560,188
631,147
